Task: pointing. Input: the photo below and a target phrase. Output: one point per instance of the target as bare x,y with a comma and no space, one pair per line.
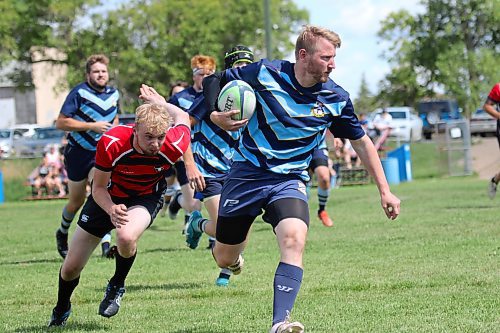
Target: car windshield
47,133
398,114
4,134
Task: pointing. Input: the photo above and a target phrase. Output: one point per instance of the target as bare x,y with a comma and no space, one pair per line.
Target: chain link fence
453,142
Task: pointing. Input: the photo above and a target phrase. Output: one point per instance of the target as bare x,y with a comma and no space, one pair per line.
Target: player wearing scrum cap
213,150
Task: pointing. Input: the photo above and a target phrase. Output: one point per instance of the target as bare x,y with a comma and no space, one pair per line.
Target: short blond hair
203,62
153,117
309,36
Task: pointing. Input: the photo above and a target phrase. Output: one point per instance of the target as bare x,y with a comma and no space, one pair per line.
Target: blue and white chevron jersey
290,121
213,147
86,104
185,98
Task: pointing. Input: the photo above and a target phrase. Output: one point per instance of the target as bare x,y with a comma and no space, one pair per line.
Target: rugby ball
237,95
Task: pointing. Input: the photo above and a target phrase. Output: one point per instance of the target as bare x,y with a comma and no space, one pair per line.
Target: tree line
450,48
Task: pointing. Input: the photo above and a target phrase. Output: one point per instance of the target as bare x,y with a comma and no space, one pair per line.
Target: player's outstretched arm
368,155
150,95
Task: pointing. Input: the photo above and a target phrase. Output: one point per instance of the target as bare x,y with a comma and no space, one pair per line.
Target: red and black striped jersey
132,173
494,94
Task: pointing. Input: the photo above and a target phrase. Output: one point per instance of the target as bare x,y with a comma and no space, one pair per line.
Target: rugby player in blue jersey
186,170
319,166
90,109
213,150
296,104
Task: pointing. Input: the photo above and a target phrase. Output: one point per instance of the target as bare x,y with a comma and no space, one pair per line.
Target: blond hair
95,58
153,117
309,36
203,62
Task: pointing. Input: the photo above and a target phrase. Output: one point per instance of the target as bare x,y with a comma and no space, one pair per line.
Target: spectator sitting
40,178
382,124
53,156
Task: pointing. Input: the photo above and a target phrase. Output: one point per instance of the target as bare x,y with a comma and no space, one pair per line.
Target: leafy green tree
450,47
365,102
147,41
152,42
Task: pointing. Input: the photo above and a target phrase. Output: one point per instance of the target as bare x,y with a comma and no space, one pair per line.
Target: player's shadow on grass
71,325
31,261
164,286
166,249
202,330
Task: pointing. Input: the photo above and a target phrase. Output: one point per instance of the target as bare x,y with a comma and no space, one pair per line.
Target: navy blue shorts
319,158
94,220
248,194
213,187
78,162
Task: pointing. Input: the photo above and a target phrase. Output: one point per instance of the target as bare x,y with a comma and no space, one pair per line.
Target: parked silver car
37,145
481,123
405,124
8,137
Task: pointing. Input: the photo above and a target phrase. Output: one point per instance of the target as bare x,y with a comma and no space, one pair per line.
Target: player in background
118,200
319,166
90,109
296,104
172,183
213,150
186,170
492,106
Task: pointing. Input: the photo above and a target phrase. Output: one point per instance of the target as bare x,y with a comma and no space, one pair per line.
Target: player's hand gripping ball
237,95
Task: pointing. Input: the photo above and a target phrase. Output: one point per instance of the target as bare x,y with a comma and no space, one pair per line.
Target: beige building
50,92
39,104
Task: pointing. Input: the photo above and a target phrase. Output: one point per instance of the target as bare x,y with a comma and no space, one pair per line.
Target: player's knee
324,183
292,241
70,271
126,244
223,261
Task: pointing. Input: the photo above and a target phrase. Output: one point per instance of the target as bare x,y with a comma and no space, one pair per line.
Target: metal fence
454,146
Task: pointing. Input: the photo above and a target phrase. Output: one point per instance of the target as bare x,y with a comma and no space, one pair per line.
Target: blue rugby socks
287,281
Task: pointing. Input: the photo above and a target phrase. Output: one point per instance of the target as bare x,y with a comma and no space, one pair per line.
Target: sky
357,23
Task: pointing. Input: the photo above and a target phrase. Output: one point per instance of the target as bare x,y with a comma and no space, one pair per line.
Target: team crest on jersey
317,110
158,169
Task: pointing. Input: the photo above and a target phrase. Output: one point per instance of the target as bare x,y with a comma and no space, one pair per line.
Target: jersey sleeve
199,109
494,94
177,141
347,124
106,147
71,104
174,100
211,90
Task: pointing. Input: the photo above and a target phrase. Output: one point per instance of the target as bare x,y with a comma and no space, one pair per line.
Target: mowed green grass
435,269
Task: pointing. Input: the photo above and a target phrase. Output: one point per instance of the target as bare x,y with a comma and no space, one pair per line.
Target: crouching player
131,163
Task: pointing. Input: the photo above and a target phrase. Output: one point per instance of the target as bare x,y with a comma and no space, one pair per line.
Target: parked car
406,125
481,123
27,130
7,138
37,145
126,118
437,113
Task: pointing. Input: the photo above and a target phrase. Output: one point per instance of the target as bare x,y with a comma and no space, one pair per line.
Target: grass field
435,269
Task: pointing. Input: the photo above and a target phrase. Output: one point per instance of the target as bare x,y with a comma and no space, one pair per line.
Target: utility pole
268,29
